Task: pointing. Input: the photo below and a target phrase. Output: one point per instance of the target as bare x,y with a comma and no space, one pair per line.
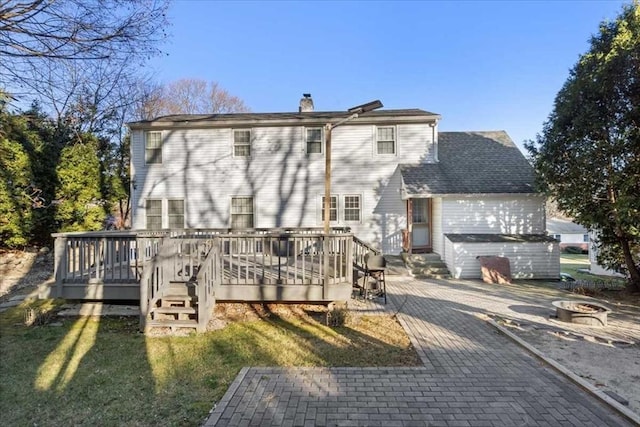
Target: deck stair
428,266
176,307
395,265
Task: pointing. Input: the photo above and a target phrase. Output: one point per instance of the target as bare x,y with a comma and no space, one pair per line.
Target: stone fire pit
581,312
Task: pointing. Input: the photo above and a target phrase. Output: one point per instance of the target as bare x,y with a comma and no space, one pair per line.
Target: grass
571,263
590,284
101,371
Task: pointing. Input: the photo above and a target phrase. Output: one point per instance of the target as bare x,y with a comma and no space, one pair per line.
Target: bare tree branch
81,29
190,96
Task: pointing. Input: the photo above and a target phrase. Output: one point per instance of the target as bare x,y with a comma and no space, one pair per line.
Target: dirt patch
23,271
607,357
225,313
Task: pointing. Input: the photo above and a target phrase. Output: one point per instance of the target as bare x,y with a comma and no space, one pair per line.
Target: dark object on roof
471,163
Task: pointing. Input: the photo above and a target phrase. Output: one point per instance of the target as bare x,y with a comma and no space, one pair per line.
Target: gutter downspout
434,138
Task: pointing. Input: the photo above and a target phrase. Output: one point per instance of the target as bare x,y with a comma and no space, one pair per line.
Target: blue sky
481,65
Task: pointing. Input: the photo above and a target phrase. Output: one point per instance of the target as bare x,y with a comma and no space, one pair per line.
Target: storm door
419,212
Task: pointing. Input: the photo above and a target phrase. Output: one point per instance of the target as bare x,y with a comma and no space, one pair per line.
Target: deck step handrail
360,250
176,261
208,279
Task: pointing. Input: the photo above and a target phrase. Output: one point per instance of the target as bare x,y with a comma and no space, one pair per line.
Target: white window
242,212
352,208
313,139
153,147
176,213
557,236
386,140
153,212
242,143
333,209
585,238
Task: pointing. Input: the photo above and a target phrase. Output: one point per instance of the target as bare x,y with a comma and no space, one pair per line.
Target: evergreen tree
81,205
15,181
588,155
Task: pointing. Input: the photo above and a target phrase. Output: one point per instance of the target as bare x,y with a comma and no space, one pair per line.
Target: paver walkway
472,376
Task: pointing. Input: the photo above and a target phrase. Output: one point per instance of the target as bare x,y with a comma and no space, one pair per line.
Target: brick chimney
306,103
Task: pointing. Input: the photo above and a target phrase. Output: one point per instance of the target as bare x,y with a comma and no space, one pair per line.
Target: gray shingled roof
471,163
322,116
563,226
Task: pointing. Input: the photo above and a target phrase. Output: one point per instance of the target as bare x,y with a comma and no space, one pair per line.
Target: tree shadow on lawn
102,371
80,371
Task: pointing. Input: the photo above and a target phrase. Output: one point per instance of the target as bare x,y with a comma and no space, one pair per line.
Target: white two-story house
394,175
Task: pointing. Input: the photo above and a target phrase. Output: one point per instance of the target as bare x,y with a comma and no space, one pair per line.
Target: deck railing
208,280
285,259
272,256
247,265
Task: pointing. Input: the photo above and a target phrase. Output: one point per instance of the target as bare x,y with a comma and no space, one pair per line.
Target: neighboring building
396,182
568,233
594,266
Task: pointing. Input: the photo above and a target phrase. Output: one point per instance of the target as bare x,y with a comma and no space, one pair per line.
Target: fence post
349,261
325,282
144,281
60,264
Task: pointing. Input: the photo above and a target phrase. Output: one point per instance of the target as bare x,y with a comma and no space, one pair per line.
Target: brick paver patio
472,376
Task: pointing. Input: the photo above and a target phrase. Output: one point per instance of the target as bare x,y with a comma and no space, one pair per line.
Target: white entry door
420,223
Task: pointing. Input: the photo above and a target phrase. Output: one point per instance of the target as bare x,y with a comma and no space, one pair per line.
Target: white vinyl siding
242,143
242,212
384,227
314,140
488,214
176,213
528,260
437,241
386,140
153,147
286,183
153,210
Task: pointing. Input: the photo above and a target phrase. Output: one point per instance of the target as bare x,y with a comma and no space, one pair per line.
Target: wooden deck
291,265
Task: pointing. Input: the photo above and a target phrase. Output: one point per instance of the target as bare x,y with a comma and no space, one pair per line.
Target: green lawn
571,263
101,371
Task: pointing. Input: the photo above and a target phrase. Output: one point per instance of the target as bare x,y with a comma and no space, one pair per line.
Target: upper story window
176,213
153,213
242,143
153,147
585,238
386,140
313,138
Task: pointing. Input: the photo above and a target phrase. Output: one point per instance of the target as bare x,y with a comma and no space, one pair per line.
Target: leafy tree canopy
588,154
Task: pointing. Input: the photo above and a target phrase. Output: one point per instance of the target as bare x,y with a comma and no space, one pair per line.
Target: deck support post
144,282
60,264
325,282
